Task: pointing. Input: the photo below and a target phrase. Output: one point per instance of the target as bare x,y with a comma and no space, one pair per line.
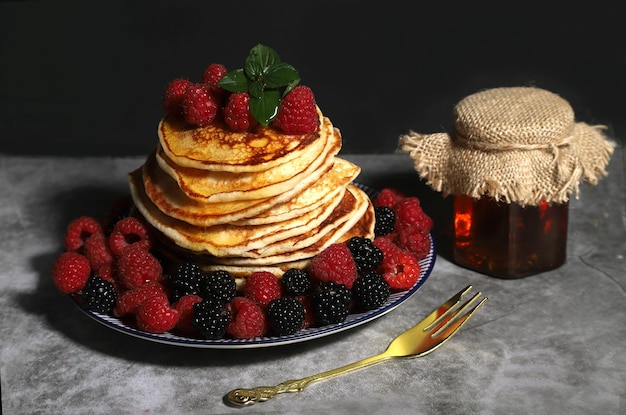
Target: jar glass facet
507,240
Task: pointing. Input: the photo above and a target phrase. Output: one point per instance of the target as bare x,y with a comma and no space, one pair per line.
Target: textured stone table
550,343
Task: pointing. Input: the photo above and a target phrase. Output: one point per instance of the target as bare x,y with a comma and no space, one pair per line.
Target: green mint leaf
256,89
265,108
261,58
234,81
281,74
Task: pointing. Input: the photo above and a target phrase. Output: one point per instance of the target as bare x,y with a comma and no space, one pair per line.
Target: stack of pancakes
248,201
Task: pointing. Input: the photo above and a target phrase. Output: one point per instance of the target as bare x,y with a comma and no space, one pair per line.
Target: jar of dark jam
509,167
507,240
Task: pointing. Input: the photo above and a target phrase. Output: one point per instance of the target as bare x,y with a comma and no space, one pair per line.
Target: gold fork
420,340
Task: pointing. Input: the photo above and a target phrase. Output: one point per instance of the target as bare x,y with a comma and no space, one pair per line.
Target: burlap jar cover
515,144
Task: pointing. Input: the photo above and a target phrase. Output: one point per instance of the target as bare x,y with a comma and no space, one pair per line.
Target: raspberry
127,232
247,319
409,212
184,306
413,240
388,197
262,287
211,318
285,316
367,256
97,251
187,278
237,113
79,230
130,300
99,295
155,315
295,282
70,272
220,285
212,75
334,263
199,106
106,271
174,96
330,303
297,113
399,267
137,267
370,290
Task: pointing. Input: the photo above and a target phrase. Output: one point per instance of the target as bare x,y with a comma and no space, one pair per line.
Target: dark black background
86,78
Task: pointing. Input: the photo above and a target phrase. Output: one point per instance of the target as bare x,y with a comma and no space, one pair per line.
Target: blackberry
285,316
385,220
370,290
186,279
296,282
99,295
220,285
211,318
367,256
330,303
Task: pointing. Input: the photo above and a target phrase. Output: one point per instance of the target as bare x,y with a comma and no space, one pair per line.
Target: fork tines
451,315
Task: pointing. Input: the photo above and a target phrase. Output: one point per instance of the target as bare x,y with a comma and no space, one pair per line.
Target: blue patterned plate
353,320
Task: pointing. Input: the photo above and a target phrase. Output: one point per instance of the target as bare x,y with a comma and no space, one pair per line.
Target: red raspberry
409,212
174,96
199,106
247,319
70,272
155,315
137,267
262,287
97,251
297,113
212,75
399,267
127,232
334,263
107,273
184,306
79,230
130,300
388,197
413,240
237,113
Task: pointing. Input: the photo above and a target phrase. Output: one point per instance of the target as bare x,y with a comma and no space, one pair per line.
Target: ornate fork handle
244,397
263,393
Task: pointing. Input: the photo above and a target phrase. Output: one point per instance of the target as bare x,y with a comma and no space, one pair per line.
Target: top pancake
214,147
223,186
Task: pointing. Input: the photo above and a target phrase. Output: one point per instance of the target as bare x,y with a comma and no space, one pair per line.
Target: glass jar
507,240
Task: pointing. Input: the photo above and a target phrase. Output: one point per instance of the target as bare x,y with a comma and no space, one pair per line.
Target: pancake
213,186
230,240
329,186
214,147
277,264
358,223
310,193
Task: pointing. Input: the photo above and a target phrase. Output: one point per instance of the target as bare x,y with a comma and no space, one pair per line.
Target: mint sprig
265,78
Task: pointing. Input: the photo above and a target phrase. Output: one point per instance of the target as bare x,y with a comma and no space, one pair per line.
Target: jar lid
517,144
